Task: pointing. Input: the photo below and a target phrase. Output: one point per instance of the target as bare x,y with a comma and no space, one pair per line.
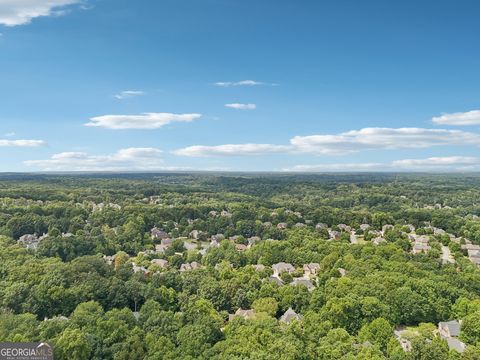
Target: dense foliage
65,293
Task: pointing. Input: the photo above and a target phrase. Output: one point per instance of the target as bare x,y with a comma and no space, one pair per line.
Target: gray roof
311,266
276,280
290,315
455,344
281,266
302,281
453,327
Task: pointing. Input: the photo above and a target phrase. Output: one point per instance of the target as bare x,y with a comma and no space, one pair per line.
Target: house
189,246
344,227
157,233
291,212
241,247
311,269
218,237
342,271
101,206
108,259
470,247
473,253
334,235
195,234
474,256
303,281
190,266
386,227
375,233
410,227
160,249
419,238
364,227
31,241
259,267
160,262
137,269
213,213
56,318
289,316
422,239
457,345
437,231
225,213
253,240
404,343
281,226
321,226
246,314
378,240
275,280
300,225
449,331
282,267
420,247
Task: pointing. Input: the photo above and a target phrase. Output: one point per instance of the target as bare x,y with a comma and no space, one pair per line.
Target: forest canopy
242,266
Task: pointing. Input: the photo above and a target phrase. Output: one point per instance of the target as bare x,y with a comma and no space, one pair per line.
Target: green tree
73,344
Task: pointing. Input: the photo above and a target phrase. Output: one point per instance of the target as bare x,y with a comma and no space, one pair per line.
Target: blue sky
264,85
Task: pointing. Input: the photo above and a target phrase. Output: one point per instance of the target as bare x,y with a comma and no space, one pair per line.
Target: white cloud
239,83
382,138
345,143
231,150
460,118
124,159
128,94
22,143
9,134
142,121
19,12
241,106
447,163
337,167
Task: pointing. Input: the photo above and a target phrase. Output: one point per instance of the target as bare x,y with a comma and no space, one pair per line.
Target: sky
239,85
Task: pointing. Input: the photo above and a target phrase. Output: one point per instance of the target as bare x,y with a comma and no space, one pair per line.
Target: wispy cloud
438,162
22,143
20,12
142,121
231,150
239,83
345,143
128,94
124,159
241,106
9,134
337,167
441,164
382,138
459,118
